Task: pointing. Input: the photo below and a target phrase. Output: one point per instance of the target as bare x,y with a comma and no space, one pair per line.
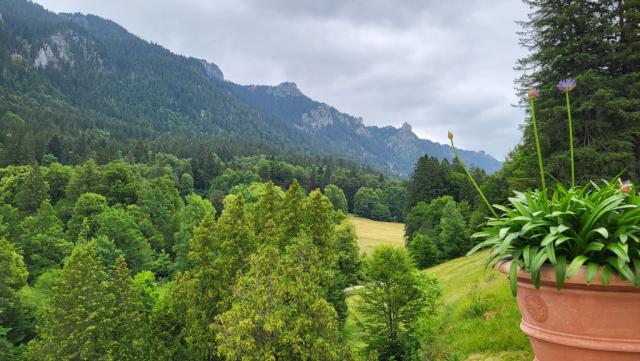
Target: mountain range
118,81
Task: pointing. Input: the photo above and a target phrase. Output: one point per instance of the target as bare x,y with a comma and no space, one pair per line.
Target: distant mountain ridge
95,65
398,148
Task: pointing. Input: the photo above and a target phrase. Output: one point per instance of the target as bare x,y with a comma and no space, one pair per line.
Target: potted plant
573,260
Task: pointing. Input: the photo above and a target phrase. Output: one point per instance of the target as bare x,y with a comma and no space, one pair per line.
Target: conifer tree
78,322
188,218
278,311
290,219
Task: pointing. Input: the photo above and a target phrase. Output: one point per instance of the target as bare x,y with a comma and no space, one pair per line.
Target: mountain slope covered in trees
81,77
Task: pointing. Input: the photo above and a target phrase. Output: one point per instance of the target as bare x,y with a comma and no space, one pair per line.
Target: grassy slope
480,317
374,233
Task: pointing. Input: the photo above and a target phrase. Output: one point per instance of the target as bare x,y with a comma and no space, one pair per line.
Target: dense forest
98,87
143,221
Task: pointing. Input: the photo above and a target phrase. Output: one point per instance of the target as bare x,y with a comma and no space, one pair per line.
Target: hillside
481,318
81,76
373,233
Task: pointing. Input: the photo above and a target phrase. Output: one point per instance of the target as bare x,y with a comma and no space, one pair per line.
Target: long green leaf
575,265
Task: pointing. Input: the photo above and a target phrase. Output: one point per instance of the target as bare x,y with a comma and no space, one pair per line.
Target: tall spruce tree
595,42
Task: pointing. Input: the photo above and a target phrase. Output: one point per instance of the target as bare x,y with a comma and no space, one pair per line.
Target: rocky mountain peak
212,70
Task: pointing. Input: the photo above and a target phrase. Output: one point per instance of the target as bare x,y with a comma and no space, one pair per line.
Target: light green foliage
10,225
291,219
337,197
278,311
394,297
188,218
37,296
118,225
13,276
425,217
493,335
83,219
198,292
348,258
86,179
146,291
186,184
91,315
43,243
160,199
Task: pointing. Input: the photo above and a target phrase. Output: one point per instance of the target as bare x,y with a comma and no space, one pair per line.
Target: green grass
373,233
479,319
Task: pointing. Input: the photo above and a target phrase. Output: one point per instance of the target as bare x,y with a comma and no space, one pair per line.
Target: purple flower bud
566,85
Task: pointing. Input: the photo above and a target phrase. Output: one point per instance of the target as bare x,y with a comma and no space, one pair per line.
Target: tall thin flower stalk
533,93
565,86
473,181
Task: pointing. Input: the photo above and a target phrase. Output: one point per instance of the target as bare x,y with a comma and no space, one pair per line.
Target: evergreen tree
430,180
189,217
291,218
594,42
278,312
161,200
78,323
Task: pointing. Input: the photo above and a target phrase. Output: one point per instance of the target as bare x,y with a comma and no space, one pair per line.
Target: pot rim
578,280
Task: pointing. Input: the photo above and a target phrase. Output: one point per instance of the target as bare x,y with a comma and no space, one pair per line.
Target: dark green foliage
597,44
369,203
33,190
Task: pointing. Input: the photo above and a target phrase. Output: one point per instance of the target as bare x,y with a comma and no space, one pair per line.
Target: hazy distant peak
212,70
287,88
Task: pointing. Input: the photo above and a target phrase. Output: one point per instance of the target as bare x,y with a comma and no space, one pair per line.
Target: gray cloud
438,65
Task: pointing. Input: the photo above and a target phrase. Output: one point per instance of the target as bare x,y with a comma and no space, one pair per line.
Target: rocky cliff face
212,70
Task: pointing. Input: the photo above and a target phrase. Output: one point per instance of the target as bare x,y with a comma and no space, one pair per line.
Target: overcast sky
435,64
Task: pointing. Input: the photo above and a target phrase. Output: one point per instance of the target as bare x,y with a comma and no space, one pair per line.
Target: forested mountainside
93,86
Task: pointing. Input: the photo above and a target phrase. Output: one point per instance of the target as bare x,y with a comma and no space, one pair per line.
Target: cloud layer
437,65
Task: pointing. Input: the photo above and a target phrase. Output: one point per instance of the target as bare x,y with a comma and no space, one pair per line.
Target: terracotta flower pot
579,322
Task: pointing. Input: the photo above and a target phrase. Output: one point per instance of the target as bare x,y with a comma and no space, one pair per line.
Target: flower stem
535,134
573,173
473,181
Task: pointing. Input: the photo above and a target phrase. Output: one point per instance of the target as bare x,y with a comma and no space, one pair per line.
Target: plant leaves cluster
597,226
